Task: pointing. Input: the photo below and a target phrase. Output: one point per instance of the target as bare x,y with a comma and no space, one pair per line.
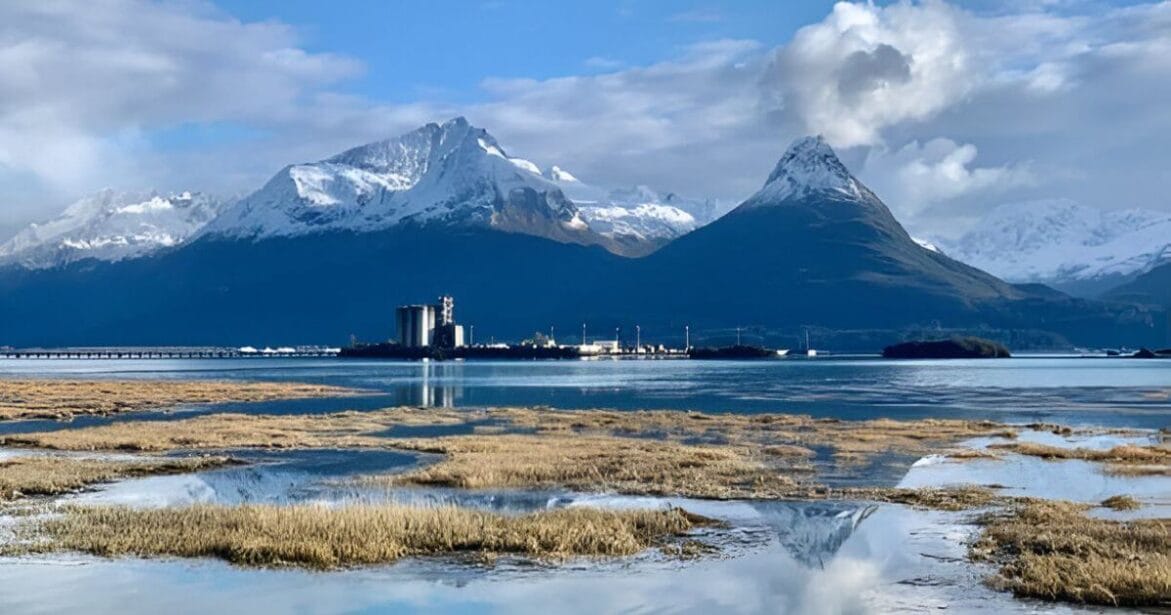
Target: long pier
164,353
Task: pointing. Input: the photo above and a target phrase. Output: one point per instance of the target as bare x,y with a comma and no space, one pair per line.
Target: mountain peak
811,163
810,168
458,121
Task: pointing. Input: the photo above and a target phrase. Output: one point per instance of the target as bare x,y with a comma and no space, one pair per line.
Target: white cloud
865,68
80,83
918,176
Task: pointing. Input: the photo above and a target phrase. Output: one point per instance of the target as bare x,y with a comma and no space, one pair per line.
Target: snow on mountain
634,214
453,173
926,245
111,226
810,168
1061,242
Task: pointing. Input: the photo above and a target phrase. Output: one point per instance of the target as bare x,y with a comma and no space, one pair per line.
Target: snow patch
1061,240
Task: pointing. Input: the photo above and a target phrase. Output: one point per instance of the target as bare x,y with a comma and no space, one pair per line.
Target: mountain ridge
1064,244
813,247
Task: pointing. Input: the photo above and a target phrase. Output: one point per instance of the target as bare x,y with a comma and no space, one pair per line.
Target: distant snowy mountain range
111,226
1064,244
453,213
449,174
455,174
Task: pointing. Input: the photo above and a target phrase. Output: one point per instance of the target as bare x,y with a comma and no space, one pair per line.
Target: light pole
686,337
471,335
637,339
583,335
737,336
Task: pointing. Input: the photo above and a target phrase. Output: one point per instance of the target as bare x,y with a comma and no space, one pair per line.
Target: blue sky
945,109
442,49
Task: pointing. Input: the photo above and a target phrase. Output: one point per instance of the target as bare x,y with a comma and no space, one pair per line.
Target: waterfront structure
416,325
421,326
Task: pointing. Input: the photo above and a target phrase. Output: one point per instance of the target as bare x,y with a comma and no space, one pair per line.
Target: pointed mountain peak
811,162
810,168
458,121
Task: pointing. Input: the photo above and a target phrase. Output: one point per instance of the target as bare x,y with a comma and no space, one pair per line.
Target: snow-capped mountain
633,215
810,168
813,248
111,226
1065,244
451,174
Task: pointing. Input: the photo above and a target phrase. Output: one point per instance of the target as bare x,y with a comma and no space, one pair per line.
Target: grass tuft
325,538
1053,551
1121,502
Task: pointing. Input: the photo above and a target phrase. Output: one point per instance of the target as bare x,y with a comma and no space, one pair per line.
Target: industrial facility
426,326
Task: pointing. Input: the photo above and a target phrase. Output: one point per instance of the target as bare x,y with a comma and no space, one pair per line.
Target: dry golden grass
757,456
943,498
850,439
64,399
231,430
45,475
1121,502
325,538
597,463
1053,551
779,435
1133,469
1126,453
968,454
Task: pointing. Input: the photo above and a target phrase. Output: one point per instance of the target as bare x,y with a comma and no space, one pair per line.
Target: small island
954,348
738,351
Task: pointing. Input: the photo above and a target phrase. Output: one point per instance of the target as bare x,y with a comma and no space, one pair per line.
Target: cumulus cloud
81,83
865,68
918,176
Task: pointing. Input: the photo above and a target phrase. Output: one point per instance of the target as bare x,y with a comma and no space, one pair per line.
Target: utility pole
637,339
551,338
737,336
583,337
471,335
686,337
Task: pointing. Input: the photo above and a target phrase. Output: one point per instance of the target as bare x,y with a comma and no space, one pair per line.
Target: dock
167,353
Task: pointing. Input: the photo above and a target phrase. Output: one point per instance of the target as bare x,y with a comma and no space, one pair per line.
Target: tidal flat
63,398
488,488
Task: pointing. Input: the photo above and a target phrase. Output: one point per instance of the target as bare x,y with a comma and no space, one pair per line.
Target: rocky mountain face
453,174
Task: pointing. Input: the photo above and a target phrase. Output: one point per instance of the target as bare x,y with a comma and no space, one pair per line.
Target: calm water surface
778,557
1112,392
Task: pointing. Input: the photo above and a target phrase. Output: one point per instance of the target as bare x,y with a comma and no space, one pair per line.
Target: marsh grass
55,475
1053,551
848,439
965,497
65,399
1121,502
1125,453
596,463
786,436
326,538
643,452
233,430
